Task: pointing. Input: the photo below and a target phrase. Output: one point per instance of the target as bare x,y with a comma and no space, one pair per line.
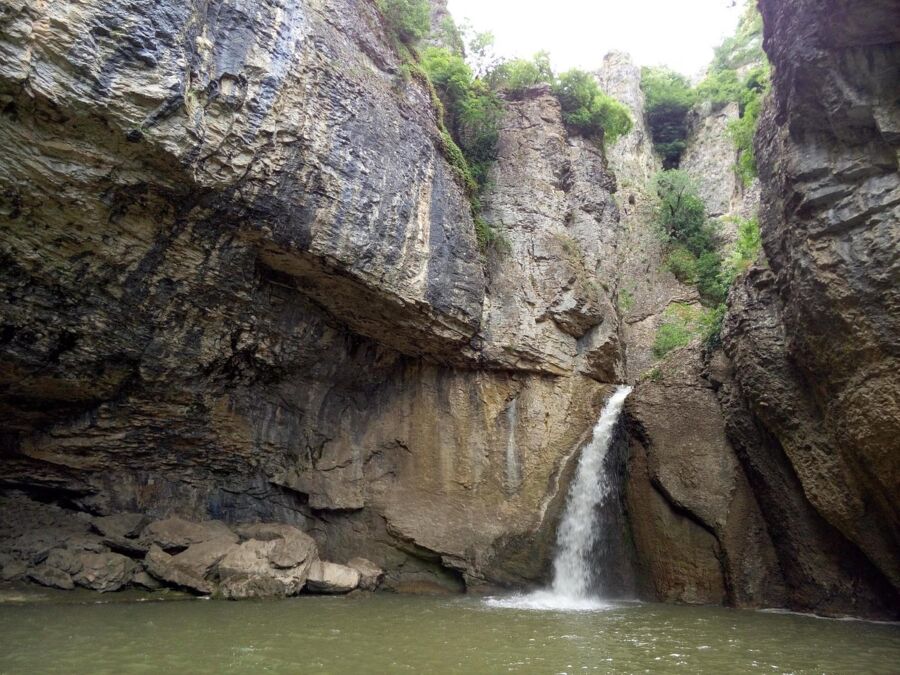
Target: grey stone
327,577
177,533
104,571
370,574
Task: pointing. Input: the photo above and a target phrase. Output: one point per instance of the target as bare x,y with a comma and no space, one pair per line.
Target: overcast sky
678,33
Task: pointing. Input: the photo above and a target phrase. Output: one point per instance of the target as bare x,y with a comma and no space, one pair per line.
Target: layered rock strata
240,281
812,334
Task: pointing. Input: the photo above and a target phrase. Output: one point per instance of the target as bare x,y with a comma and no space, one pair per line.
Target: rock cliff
812,331
241,281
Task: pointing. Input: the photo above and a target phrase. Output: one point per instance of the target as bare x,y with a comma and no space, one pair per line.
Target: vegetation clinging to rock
408,20
516,75
739,74
587,109
668,98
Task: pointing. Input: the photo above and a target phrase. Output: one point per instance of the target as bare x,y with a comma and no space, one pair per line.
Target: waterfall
579,529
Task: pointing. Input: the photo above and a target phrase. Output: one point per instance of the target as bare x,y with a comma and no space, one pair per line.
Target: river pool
380,633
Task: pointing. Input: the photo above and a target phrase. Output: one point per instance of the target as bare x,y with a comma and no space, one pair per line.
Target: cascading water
578,529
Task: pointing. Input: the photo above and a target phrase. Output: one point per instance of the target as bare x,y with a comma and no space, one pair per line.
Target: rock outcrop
240,281
812,332
246,329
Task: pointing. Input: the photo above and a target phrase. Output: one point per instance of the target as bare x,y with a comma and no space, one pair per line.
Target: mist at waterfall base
575,578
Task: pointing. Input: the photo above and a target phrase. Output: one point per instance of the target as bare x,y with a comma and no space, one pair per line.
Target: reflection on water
387,633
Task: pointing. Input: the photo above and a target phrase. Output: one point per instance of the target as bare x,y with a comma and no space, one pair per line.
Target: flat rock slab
327,577
160,564
176,533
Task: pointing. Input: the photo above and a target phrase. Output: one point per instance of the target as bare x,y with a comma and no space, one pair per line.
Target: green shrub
407,20
680,211
683,264
519,74
745,250
490,239
680,323
472,110
681,217
742,132
720,87
745,46
668,98
587,109
710,285
711,326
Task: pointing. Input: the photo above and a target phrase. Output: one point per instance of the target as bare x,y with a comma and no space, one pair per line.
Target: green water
385,633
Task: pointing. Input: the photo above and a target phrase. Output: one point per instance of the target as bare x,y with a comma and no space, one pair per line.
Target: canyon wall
763,471
240,280
812,331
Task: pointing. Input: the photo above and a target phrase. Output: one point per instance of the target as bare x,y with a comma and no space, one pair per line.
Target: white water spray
578,529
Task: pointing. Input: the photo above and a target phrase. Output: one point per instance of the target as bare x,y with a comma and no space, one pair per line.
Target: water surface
387,633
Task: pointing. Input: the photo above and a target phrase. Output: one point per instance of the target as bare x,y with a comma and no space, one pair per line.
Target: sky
680,34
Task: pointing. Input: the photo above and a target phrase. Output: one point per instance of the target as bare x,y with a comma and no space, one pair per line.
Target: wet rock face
814,340
239,282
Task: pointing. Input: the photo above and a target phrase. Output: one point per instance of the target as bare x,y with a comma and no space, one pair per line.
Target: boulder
123,525
176,534
327,577
160,565
122,532
198,560
104,572
13,570
249,571
370,574
53,577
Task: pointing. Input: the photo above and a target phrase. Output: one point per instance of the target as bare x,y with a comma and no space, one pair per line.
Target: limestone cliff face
240,281
697,530
813,334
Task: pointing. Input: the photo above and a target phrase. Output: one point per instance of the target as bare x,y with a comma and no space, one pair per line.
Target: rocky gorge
246,327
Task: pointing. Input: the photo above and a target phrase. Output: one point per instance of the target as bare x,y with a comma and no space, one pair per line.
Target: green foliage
587,109
680,212
711,326
709,278
720,87
683,264
668,98
451,36
407,20
742,132
745,250
626,300
679,325
490,239
681,218
745,46
519,74
669,95
472,110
